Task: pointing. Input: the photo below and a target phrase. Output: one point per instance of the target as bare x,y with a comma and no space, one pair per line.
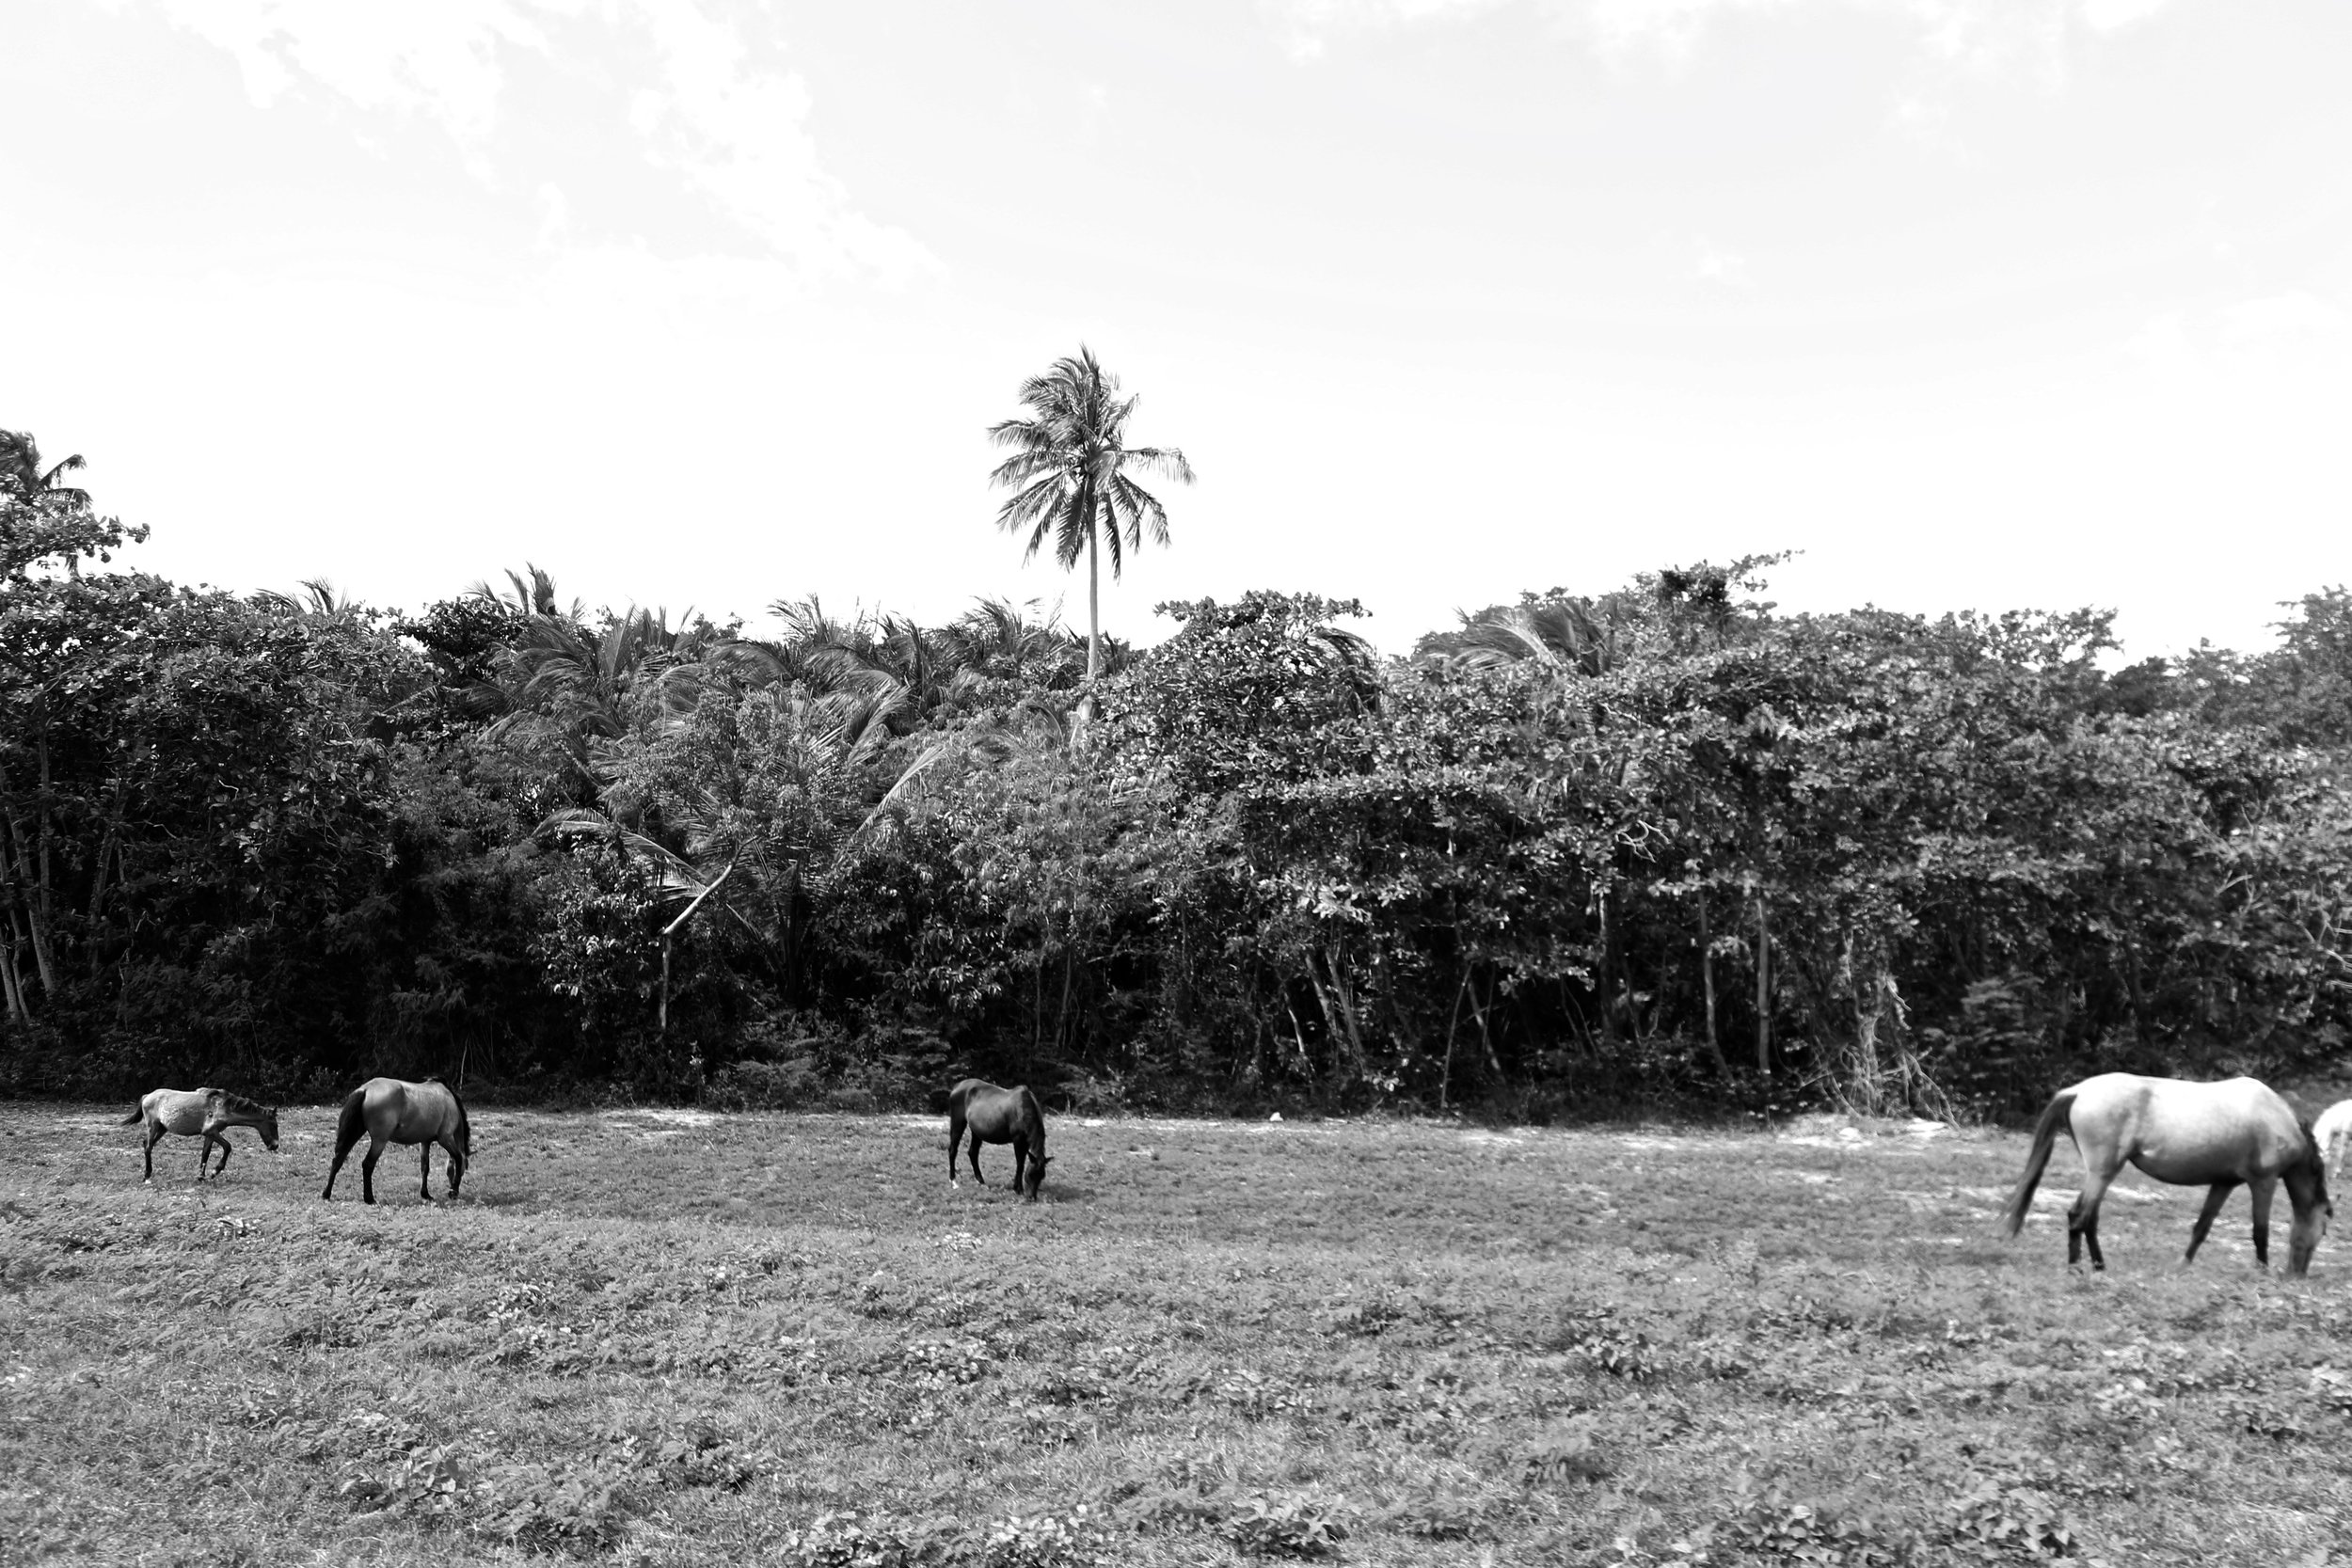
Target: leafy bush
1292,1523
2002,1519
464,1487
1566,1452
1074,1540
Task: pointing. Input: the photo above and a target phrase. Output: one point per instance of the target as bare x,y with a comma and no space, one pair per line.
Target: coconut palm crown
1069,474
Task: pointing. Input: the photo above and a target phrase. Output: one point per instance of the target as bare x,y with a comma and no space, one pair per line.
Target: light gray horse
2332,1132
393,1110
2231,1135
205,1113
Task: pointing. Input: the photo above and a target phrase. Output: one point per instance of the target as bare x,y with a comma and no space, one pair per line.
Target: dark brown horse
2222,1136
392,1110
995,1116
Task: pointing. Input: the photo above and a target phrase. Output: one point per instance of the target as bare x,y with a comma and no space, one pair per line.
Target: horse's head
2313,1210
1035,1178
2303,1239
267,1127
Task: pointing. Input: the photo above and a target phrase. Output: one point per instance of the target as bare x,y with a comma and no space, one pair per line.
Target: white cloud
2006,36
2107,15
435,58
1725,267
724,124
2243,337
736,135
2296,315
2163,346
1668,28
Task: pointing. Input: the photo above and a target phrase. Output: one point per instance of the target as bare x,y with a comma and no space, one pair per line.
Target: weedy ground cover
664,1337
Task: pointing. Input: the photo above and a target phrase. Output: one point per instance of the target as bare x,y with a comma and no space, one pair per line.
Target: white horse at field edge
2332,1132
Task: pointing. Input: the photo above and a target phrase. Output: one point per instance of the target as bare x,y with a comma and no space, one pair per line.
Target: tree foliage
1660,843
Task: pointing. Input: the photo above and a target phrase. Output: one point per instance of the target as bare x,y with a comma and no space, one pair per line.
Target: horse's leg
366,1166
456,1164
2263,1190
215,1133
203,1152
973,1149
424,1170
1020,1164
2082,1220
154,1136
955,1139
2214,1197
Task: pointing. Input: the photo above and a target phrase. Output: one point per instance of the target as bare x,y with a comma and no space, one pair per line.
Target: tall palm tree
1068,474
20,458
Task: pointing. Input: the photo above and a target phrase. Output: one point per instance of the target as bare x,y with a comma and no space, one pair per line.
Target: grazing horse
392,1110
995,1116
209,1112
2233,1133
2331,1132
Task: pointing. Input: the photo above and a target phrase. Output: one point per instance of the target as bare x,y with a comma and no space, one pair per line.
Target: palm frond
676,877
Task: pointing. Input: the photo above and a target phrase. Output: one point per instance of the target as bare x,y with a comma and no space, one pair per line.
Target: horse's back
179,1110
2178,1130
995,1114
404,1112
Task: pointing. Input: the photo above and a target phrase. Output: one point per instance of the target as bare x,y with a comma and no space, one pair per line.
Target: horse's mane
2313,1155
243,1106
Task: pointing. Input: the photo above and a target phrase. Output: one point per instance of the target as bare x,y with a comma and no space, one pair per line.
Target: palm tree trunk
11,985
1608,970
1763,988
1707,974
16,863
1445,1079
1095,612
1094,639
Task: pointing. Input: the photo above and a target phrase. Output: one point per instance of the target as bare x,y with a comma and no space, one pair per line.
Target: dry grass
677,1340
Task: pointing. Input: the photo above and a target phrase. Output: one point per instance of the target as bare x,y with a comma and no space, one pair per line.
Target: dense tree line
1661,844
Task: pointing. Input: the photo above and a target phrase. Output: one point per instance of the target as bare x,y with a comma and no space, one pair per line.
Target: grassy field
671,1339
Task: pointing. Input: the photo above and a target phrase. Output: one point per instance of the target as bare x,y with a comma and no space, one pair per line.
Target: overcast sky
1978,303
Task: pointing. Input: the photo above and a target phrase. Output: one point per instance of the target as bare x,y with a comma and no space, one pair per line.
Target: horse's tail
353,1123
2058,1117
136,1112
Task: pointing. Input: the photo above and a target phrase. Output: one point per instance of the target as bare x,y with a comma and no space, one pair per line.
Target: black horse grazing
392,1110
995,1115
